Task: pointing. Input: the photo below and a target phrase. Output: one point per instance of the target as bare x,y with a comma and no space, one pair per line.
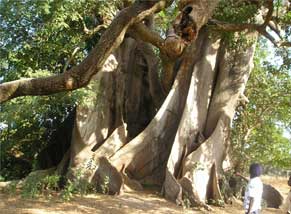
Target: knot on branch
185,26
184,31
174,45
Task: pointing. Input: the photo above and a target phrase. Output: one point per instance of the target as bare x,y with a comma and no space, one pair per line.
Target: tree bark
121,110
196,167
190,132
183,146
150,149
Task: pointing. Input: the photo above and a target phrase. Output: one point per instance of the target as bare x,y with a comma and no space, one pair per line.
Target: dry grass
138,202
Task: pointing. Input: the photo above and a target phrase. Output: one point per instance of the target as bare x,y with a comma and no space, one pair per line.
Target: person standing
287,205
254,190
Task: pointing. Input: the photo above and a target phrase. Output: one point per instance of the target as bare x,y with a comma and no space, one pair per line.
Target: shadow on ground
131,202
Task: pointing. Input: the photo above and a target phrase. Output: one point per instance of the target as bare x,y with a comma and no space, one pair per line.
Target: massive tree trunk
131,134
200,146
122,137
139,129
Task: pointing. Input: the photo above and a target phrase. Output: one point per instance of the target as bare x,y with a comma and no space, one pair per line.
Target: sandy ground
135,202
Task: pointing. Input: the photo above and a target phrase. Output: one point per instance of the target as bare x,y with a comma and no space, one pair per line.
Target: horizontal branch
261,28
142,32
80,75
251,27
233,27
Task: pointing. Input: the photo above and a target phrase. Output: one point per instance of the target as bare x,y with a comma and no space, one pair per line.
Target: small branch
274,28
96,29
71,58
233,27
251,27
87,31
243,100
268,22
263,32
270,6
241,176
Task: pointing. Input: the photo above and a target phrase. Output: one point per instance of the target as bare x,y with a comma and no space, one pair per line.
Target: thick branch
80,75
241,27
142,32
261,28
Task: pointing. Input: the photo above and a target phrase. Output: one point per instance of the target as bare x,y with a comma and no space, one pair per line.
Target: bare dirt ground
134,202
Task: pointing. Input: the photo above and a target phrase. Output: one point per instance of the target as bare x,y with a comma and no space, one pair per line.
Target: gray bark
230,83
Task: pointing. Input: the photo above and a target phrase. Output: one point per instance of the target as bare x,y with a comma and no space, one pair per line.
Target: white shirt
255,190
287,204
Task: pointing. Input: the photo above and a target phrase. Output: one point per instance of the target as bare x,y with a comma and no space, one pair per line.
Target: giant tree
162,103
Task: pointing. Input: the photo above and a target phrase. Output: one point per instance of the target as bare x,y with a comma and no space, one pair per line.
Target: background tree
259,125
40,39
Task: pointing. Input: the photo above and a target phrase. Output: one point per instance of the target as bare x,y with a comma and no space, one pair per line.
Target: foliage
37,39
67,192
236,12
35,185
164,19
219,203
77,185
186,203
259,126
45,182
105,186
11,188
27,124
